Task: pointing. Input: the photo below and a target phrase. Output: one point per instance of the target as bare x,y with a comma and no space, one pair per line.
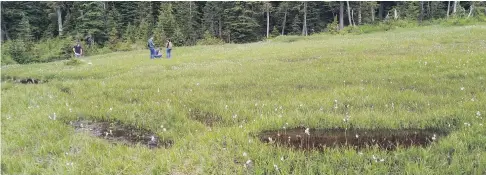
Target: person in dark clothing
78,50
89,40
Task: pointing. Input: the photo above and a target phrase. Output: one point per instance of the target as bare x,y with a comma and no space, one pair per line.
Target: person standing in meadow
151,46
169,48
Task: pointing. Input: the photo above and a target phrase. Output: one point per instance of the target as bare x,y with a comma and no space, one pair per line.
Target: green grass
406,78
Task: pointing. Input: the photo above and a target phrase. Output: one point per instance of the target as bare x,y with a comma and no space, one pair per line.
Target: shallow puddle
386,139
29,81
118,133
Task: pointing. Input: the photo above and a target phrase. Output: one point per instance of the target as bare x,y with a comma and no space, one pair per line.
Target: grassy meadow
407,78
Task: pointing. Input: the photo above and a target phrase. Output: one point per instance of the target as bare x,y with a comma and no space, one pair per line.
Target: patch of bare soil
121,134
386,139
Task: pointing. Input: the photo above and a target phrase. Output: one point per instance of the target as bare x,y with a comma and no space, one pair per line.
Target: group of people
155,53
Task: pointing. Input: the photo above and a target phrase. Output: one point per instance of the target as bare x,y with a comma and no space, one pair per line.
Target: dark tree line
108,23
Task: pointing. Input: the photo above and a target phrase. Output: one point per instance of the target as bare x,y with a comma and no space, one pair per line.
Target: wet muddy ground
386,139
29,81
121,134
207,118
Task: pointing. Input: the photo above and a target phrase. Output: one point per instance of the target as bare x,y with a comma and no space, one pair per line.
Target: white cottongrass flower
467,124
307,131
357,136
247,163
282,158
270,140
478,114
234,116
276,167
462,88
164,129
53,117
69,164
197,84
245,154
111,109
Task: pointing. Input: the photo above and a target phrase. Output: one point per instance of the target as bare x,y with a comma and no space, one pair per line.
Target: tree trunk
341,13
454,8
349,13
471,9
59,19
359,14
395,14
284,21
372,14
4,32
421,11
304,27
352,18
268,21
448,8
220,28
381,10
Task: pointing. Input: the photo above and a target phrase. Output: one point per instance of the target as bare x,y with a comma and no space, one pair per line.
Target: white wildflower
478,114
245,154
276,167
434,137
357,136
307,131
462,88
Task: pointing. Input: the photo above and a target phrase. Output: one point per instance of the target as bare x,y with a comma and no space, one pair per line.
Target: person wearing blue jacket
151,46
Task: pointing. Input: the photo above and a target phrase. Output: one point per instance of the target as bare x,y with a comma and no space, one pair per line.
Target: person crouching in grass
78,50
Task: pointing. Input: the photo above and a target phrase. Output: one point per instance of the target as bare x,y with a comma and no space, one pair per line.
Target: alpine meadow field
209,103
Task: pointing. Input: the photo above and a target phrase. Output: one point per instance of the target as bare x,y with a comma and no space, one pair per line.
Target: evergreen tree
24,31
296,29
241,24
113,40
130,34
275,32
90,22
